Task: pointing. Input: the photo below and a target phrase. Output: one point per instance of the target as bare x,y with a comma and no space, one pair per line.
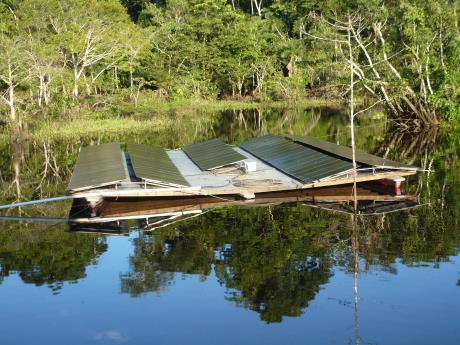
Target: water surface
286,274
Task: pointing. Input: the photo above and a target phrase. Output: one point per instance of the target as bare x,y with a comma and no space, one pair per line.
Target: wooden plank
232,190
360,178
154,207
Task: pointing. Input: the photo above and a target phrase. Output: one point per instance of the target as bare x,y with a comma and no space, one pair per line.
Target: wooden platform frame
247,192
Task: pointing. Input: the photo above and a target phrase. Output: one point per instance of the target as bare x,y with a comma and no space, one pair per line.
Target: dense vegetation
57,55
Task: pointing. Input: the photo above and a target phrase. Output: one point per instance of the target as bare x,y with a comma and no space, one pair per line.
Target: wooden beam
154,207
248,189
360,178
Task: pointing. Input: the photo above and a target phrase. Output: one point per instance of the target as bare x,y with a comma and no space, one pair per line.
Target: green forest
58,57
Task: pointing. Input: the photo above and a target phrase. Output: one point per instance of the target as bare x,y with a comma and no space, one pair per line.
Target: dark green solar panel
346,152
153,164
301,162
212,154
97,166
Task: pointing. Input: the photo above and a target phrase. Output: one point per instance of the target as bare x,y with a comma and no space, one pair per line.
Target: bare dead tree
345,33
258,6
13,72
373,68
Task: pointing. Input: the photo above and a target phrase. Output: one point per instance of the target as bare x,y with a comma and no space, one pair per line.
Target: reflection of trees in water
275,280
419,235
430,233
279,257
154,262
409,146
236,126
46,256
41,255
274,291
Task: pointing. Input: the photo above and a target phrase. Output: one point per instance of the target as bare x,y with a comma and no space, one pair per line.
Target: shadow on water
273,260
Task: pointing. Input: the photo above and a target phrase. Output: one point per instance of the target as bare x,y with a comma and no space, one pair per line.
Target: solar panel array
305,159
212,154
97,166
299,161
153,164
346,152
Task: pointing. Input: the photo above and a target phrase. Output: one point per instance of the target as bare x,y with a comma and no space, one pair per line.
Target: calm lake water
288,274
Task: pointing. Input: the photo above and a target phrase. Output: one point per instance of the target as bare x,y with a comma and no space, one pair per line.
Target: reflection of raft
212,168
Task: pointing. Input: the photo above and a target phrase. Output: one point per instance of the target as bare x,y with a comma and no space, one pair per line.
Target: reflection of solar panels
153,164
98,166
212,154
299,161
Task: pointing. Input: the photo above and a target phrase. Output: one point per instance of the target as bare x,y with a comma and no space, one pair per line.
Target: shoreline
119,116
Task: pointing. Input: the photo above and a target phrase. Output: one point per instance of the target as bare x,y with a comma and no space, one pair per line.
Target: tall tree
13,71
89,36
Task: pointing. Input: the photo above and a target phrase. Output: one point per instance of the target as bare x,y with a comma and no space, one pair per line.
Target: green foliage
66,52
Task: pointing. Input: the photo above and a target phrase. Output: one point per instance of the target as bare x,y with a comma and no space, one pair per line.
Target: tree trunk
290,66
40,91
75,88
43,92
258,5
131,82
88,86
240,87
13,115
76,74
46,89
115,76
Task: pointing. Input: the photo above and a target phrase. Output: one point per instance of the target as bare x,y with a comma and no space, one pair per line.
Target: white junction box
249,166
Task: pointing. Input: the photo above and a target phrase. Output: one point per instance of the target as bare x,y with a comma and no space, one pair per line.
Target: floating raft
213,168
335,198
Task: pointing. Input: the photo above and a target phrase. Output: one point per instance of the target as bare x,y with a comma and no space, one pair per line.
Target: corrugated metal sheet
346,152
212,154
299,161
153,163
98,165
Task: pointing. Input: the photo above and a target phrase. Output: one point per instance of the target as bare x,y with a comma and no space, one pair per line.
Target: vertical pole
355,250
352,113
